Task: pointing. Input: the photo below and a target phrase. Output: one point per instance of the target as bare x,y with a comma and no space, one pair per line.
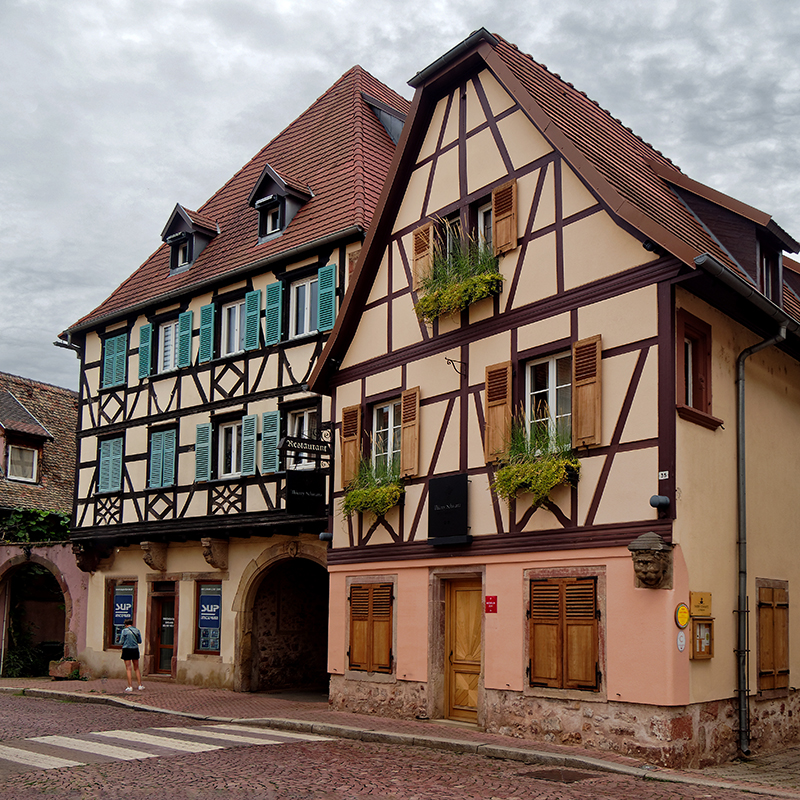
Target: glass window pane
300,309
312,305
21,462
230,329
240,325
564,371
540,376
227,450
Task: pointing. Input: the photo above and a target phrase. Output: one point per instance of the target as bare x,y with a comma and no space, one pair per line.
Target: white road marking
31,759
209,733
169,742
311,737
97,748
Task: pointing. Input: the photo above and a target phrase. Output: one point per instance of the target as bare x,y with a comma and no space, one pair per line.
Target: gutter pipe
739,285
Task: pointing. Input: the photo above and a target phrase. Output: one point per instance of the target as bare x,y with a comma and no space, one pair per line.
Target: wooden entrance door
165,633
463,650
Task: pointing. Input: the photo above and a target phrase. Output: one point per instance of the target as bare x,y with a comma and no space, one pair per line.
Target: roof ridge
35,382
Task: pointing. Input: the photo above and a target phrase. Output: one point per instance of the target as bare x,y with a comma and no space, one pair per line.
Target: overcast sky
111,111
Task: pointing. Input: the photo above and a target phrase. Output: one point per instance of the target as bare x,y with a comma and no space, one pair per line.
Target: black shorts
130,653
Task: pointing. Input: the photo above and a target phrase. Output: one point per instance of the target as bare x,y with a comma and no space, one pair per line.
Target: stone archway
290,627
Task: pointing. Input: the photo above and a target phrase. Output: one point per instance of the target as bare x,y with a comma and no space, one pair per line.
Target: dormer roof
182,220
270,182
337,147
16,418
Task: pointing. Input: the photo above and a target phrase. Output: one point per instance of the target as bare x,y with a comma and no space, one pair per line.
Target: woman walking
130,639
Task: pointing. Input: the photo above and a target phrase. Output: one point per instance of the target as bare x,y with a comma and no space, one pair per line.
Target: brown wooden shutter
423,254
773,638
409,440
504,217
580,635
371,627
351,443
586,392
498,410
545,637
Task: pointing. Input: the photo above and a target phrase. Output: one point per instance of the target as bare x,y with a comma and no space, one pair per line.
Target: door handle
451,657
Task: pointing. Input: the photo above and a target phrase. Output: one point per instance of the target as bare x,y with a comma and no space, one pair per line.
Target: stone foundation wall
397,699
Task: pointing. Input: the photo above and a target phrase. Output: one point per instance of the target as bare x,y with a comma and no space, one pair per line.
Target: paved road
171,765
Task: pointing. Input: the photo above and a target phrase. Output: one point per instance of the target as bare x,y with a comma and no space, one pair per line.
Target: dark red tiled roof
337,148
200,220
54,414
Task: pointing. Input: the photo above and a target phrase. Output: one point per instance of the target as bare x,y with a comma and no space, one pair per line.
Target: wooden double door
463,648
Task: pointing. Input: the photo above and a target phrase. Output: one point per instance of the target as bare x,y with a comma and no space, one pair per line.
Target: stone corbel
89,557
652,562
215,552
155,555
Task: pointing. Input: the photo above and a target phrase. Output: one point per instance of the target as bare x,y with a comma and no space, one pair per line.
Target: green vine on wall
33,525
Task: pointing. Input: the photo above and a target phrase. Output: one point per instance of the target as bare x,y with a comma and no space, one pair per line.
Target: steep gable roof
16,418
632,179
337,149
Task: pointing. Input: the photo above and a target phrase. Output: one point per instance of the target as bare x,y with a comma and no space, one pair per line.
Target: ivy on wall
33,525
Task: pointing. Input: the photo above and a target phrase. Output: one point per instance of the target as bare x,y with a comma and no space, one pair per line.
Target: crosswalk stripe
209,733
97,748
170,742
32,759
312,737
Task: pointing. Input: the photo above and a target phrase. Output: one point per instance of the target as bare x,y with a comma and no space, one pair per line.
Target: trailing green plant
535,462
376,488
33,525
459,276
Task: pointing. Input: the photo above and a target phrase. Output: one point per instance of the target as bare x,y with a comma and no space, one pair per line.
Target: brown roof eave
226,277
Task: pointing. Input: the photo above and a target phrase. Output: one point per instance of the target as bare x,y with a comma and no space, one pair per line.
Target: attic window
181,247
269,215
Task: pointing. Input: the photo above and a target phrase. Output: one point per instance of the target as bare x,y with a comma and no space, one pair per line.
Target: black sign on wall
305,492
447,510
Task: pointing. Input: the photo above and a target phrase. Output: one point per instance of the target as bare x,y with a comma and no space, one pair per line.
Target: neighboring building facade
628,292
202,457
43,591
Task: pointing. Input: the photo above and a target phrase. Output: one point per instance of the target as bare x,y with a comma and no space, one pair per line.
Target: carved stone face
650,567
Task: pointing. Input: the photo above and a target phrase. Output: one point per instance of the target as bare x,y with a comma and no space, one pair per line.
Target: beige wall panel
475,115
499,99
92,376
412,501
412,624
444,189
269,380
575,196
253,496
370,340
483,309
400,278
411,207
546,330
526,188
301,359
590,474
485,352
595,247
337,616
616,377
622,319
633,480
93,350
348,394
115,326
204,379
163,388
198,505
380,285
538,271
176,307
451,125
128,507
86,417
85,482
643,417
484,162
475,456
481,512
306,262
452,322
502,669
381,535
431,419
184,473
405,329
137,472
137,440
434,374
434,128
189,394
387,381
542,519
522,139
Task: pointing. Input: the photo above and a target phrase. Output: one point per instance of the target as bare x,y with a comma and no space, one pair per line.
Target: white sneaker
141,687
129,688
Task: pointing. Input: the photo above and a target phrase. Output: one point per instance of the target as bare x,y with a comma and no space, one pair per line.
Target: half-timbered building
203,458
542,488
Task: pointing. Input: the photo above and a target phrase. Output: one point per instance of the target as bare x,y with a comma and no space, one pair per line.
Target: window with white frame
233,327
303,424
485,224
183,253
22,463
168,346
230,449
548,397
303,307
386,432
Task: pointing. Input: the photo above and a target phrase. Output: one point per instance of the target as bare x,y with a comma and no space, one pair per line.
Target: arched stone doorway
290,627
34,620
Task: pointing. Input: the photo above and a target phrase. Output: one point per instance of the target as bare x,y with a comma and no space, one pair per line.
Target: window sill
301,337
698,417
202,656
373,677
771,694
28,481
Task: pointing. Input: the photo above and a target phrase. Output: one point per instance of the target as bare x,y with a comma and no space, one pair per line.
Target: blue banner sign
209,615
123,604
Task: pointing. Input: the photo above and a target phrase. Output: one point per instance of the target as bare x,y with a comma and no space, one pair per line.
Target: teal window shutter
104,472
170,449
252,320
326,297
206,352
249,433
120,359
115,479
145,350
184,339
109,351
274,295
270,430
202,453
156,459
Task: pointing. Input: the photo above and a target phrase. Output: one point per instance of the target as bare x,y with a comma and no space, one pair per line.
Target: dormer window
187,233
269,215
277,199
180,250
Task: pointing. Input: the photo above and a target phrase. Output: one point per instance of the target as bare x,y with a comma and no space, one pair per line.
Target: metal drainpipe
741,651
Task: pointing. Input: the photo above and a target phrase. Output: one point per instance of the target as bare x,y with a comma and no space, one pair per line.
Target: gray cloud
113,112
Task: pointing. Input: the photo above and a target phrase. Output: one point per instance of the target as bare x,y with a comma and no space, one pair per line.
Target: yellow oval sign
682,615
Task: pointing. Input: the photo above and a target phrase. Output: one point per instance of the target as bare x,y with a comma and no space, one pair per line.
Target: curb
522,755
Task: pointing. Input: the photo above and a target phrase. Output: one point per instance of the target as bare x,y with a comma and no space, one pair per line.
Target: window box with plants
377,488
463,270
535,464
